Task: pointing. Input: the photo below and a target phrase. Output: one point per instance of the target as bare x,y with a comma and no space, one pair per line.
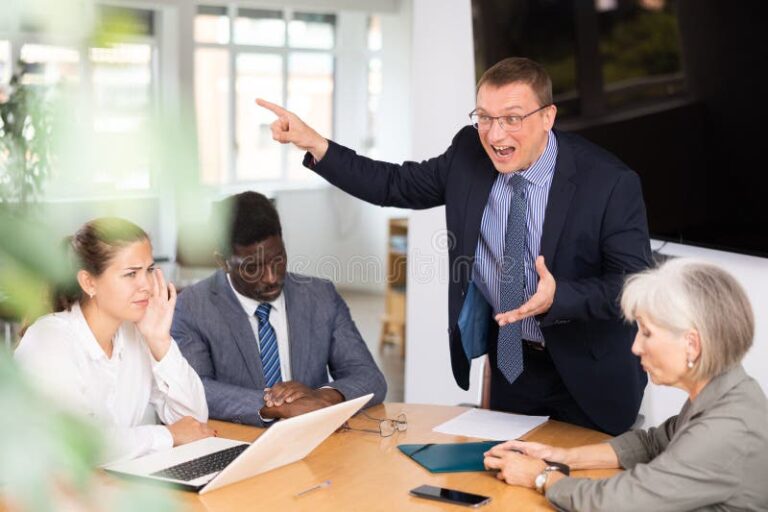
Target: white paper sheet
485,424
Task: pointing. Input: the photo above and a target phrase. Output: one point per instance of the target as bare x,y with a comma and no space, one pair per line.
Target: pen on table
314,488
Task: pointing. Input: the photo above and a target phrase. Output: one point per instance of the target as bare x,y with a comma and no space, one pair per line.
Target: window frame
370,147
233,49
17,39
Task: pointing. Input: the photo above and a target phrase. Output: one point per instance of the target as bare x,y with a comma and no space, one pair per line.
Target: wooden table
369,473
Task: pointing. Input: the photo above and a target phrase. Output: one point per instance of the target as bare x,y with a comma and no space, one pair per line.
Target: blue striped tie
270,356
510,346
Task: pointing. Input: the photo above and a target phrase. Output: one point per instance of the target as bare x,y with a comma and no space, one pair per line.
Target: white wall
442,93
752,272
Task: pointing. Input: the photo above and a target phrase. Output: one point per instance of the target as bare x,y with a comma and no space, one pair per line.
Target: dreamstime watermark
421,266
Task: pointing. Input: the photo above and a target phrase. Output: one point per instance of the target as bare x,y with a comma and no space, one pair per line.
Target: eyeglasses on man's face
387,426
483,121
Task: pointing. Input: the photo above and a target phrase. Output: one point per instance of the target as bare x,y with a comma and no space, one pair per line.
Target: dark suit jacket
595,233
214,334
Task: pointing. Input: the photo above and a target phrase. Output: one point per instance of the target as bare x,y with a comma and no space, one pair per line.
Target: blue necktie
510,345
270,356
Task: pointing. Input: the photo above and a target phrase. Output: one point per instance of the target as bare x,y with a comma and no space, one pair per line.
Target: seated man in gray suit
264,340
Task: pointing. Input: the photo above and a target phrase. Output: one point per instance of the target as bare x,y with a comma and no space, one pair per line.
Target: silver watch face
541,480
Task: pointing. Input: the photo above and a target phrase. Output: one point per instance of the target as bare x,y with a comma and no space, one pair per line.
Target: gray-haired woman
694,326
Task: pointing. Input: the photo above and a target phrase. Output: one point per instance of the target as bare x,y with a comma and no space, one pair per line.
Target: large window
121,78
241,54
50,65
5,54
108,92
5,63
375,84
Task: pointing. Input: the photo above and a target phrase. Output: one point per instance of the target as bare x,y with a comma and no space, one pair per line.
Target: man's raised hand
288,128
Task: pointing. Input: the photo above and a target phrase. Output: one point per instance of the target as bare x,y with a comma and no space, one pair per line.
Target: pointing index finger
272,107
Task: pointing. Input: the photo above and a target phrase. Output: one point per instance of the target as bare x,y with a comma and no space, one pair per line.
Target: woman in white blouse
108,354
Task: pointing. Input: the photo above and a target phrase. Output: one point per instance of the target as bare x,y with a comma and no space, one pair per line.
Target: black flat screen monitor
671,87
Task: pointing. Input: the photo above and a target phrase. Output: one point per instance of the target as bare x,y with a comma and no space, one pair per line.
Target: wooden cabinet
393,323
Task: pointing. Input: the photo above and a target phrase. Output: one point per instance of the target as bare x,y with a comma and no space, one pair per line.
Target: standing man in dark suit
264,340
549,224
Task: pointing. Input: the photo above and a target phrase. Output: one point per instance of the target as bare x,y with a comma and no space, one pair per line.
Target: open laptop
211,463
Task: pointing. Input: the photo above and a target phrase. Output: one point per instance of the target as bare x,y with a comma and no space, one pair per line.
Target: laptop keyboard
205,465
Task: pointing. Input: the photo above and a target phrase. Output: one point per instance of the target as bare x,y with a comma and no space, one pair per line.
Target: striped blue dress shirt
486,272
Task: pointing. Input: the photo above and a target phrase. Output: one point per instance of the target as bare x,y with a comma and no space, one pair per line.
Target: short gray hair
684,294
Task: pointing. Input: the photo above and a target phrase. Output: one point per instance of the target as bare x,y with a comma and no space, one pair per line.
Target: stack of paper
486,424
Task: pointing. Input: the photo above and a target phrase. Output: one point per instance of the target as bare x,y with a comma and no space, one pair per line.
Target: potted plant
26,128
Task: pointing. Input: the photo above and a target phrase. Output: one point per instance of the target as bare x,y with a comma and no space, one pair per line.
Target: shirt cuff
162,439
265,420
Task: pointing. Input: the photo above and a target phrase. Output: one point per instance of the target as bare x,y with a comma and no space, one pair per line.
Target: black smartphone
450,496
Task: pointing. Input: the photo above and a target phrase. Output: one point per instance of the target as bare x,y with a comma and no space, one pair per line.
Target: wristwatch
541,479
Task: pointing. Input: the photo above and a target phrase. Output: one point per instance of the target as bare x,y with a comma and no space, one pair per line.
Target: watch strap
559,466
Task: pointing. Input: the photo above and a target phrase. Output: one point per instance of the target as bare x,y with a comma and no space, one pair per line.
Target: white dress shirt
279,320
60,353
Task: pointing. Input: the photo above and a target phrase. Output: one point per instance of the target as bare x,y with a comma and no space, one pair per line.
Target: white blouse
60,353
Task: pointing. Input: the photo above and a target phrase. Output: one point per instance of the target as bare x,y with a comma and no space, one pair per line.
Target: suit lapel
477,198
233,315
559,201
298,312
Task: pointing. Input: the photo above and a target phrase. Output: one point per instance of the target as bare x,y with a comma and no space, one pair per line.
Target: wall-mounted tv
671,87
